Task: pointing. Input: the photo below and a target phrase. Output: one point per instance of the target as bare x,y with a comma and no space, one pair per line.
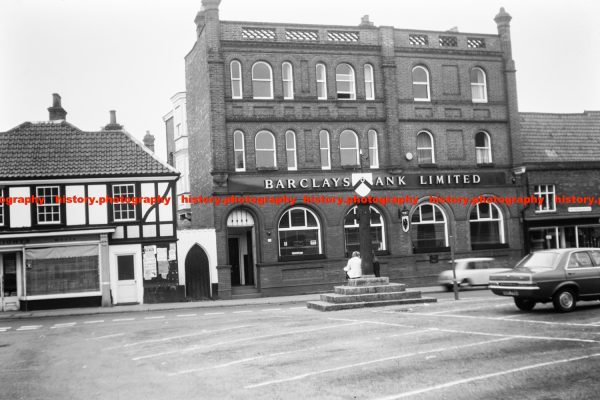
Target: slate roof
58,149
560,137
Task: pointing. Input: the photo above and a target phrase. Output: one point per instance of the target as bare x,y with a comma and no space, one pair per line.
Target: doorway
197,274
9,300
126,282
241,247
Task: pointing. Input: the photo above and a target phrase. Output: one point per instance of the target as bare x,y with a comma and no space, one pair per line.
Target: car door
584,272
596,281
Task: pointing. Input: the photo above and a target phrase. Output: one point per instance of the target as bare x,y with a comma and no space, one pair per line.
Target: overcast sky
128,54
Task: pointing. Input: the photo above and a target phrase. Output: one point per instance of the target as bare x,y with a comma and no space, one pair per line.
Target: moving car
562,276
470,272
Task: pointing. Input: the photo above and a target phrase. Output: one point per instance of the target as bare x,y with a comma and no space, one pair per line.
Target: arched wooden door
197,275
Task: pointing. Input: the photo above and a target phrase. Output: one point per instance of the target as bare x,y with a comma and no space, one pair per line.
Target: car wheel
564,300
524,304
465,284
449,288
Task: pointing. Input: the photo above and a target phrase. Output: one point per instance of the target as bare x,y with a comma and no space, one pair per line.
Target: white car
470,272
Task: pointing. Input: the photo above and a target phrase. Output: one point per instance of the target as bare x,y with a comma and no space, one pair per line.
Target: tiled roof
58,149
560,137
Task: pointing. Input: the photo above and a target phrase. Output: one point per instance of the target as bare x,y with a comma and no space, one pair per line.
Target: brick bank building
287,109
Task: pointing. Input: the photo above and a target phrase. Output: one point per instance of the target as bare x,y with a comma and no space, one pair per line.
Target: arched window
345,84
483,148
373,150
239,151
321,82
429,228
236,79
487,225
324,149
420,78
351,236
262,80
264,146
290,150
287,76
478,86
349,154
369,82
299,232
425,148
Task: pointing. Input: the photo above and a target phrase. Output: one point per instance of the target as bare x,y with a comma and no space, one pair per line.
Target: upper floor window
262,80
123,211
349,151
478,86
548,194
287,76
483,148
264,147
345,84
290,150
429,228
236,79
182,164
486,225
324,150
425,148
373,150
239,151
420,78
369,82
299,233
178,122
49,211
321,82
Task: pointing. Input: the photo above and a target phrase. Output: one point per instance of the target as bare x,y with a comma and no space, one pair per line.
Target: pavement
178,306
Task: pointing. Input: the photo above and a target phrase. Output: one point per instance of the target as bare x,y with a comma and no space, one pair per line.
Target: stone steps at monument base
325,306
355,298
369,280
354,290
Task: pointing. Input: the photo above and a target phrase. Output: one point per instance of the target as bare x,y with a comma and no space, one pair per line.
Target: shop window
548,193
49,211
236,79
290,150
287,77
62,270
483,148
299,232
262,80
324,150
349,150
429,229
239,151
588,236
543,239
425,148
264,146
486,225
123,210
321,82
369,82
478,86
345,84
351,234
373,149
420,79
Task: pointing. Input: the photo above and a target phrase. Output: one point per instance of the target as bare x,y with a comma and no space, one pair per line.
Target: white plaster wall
207,239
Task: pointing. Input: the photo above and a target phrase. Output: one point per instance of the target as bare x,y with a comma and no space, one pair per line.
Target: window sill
267,168
351,166
431,250
302,257
486,165
489,246
428,165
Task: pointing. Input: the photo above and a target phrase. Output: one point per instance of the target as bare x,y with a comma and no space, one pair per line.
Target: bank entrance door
241,238
8,282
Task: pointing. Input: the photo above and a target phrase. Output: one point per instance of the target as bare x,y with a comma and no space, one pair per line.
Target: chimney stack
112,125
57,113
149,141
365,23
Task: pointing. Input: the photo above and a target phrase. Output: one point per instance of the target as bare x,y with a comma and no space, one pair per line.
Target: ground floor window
429,229
559,237
352,237
299,233
61,270
486,225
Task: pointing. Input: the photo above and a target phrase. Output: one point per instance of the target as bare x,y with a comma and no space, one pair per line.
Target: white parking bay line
97,321
532,321
214,313
29,327
202,332
243,312
4,328
518,336
271,309
186,315
106,336
123,319
65,325
157,317
375,361
372,322
486,376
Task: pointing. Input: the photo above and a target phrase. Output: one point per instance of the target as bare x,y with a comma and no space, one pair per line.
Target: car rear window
539,260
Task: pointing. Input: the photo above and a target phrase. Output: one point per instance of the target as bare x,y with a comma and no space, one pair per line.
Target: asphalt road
480,347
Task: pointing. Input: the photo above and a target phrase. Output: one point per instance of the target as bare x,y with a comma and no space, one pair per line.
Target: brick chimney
57,113
112,125
149,141
365,23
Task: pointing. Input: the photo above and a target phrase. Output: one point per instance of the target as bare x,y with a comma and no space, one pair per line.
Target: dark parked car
562,276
